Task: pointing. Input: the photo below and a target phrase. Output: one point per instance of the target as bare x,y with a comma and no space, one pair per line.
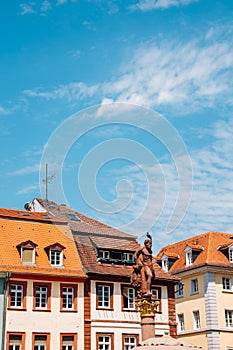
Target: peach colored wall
54,322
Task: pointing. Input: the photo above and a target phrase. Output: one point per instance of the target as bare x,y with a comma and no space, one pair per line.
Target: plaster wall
53,322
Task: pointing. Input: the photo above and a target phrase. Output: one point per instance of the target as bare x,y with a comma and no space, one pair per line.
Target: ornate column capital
147,306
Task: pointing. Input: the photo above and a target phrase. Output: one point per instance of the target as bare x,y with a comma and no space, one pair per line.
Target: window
55,254
42,296
189,257
196,320
165,264
27,252
68,295
180,322
56,257
128,296
130,341
15,341
17,295
226,283
68,341
128,257
229,318
104,254
231,255
156,293
104,295
73,217
179,290
104,341
194,286
40,341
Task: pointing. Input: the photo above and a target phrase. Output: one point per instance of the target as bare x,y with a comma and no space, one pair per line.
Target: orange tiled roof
14,232
29,216
210,252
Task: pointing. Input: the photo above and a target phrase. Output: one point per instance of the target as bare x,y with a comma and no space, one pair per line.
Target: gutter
4,309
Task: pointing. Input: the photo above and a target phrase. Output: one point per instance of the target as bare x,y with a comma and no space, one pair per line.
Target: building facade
41,284
111,320
204,300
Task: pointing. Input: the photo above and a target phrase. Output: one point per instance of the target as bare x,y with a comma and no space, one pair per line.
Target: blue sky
61,58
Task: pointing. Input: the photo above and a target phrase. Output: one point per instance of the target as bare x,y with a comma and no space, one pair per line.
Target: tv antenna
47,179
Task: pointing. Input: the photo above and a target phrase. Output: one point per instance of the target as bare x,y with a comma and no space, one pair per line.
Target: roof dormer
168,260
227,250
191,253
56,254
27,252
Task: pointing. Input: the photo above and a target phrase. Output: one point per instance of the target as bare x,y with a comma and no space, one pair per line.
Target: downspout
5,309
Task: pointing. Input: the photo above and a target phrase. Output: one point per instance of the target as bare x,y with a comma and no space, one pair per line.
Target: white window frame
14,344
67,296
128,257
165,265
196,320
194,286
180,321
229,318
226,283
130,297
104,254
18,293
128,345
179,290
104,297
105,344
41,295
189,256
230,252
40,344
56,257
67,344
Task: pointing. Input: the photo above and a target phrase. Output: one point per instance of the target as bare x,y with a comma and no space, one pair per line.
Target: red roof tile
14,232
208,244
29,216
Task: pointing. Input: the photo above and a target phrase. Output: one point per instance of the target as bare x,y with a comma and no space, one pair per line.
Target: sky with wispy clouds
173,58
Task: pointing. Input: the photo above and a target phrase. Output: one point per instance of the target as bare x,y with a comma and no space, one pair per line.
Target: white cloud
28,189
45,6
26,170
27,8
211,204
184,77
148,5
71,92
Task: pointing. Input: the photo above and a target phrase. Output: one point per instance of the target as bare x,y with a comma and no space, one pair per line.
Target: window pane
16,294
27,255
129,343
41,296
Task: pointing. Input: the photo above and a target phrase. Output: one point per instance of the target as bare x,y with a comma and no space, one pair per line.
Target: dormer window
56,257
165,263
189,257
231,254
27,252
56,254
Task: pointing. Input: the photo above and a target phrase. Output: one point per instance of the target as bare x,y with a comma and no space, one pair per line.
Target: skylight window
73,217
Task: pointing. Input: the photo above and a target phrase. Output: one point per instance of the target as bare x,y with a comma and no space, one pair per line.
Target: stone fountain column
147,308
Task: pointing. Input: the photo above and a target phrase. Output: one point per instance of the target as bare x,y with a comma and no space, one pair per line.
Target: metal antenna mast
46,180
